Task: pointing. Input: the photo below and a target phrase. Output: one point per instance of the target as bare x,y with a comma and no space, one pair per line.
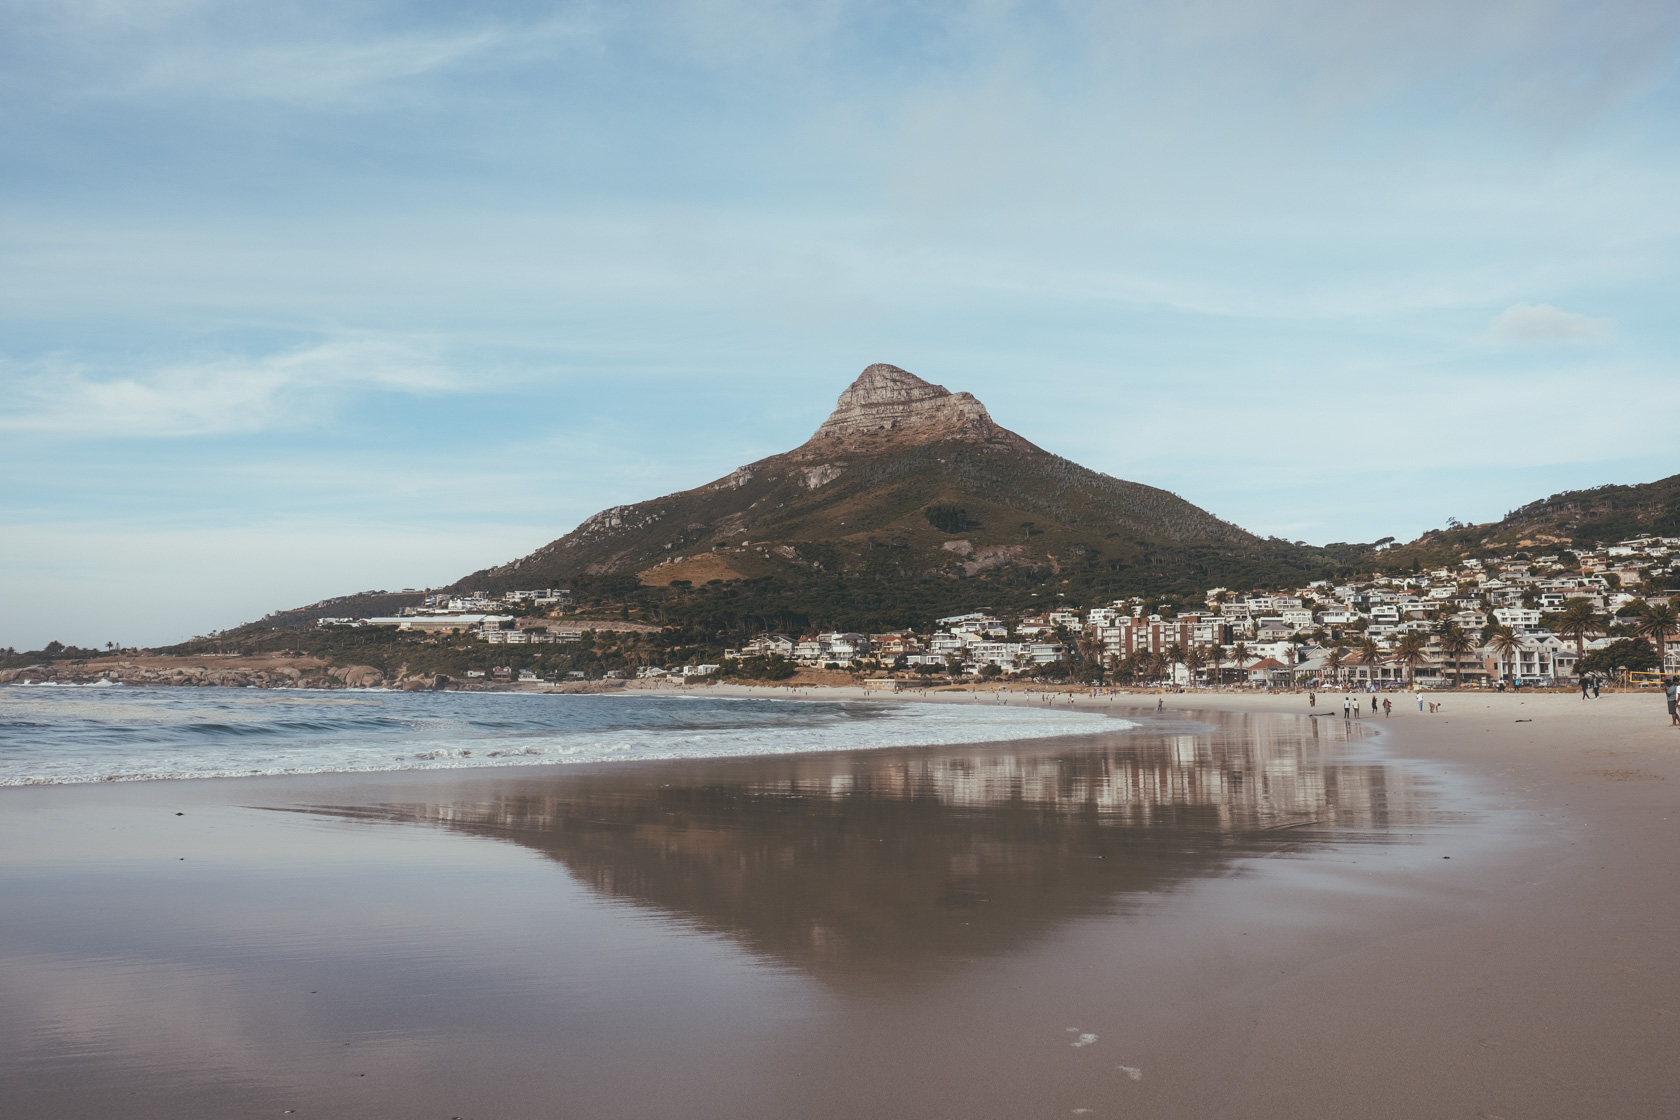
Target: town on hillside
1511,621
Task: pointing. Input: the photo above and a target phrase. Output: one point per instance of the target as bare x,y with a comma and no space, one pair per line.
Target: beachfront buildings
1479,623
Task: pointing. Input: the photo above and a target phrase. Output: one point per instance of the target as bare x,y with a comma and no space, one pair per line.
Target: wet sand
1232,910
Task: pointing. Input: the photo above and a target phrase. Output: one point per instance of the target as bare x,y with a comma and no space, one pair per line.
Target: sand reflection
881,863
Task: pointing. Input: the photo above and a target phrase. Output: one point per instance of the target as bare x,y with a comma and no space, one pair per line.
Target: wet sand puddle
978,931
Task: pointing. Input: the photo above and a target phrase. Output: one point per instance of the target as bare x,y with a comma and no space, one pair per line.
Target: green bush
1635,654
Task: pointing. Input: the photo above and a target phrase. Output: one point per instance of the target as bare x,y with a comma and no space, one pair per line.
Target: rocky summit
888,401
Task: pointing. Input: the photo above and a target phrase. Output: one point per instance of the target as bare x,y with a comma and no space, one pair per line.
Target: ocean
56,735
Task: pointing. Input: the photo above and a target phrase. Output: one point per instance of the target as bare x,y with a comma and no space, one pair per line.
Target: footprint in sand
1131,1071
1085,1037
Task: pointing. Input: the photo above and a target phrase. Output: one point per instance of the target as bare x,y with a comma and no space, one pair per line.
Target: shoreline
1522,966
432,743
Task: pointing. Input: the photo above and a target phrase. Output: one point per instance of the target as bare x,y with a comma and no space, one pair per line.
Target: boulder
357,676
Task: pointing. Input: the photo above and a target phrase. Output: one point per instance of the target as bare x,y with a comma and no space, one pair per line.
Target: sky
304,298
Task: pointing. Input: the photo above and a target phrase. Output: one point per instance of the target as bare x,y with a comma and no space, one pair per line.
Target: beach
1237,907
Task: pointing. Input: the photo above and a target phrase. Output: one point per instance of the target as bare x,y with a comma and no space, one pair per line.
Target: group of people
1354,708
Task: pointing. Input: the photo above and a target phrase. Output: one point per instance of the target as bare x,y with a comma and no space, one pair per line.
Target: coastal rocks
200,675
357,676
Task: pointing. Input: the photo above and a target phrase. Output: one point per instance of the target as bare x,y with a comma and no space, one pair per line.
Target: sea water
51,735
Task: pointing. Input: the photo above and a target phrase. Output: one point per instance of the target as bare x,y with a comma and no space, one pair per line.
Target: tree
1194,660
1370,652
1092,651
1333,660
1658,624
1239,654
1505,644
1175,657
1625,653
1577,621
1411,649
1455,643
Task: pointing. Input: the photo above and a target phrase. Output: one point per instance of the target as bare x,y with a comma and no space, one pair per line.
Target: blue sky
303,298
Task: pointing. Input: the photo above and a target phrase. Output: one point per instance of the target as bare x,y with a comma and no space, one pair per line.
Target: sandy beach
1467,914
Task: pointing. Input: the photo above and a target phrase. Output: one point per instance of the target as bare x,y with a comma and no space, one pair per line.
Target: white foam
162,734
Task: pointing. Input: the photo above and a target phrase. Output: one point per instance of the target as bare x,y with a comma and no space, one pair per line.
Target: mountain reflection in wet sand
872,865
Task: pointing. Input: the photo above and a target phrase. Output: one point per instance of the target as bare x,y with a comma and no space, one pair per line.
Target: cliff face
870,479
886,401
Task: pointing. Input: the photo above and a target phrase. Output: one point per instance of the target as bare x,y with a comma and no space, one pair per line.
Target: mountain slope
1572,519
903,473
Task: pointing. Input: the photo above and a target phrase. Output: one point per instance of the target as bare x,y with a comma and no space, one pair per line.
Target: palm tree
1239,654
1333,660
1505,644
1658,623
1091,649
1455,643
1370,652
1175,657
1577,622
1411,649
1194,659
1158,665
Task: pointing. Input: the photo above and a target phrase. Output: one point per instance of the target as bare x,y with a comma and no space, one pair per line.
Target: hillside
907,503
1572,519
906,482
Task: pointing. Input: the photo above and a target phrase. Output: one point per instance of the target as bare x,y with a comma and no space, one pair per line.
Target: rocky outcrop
357,676
885,399
193,675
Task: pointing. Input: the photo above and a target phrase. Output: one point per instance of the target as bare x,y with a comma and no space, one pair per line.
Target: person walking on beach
1387,708
1586,683
1420,699
1671,687
1373,703
1595,688
1312,698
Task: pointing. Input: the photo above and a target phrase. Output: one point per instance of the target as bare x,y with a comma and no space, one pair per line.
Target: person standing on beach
1345,705
1671,688
1420,699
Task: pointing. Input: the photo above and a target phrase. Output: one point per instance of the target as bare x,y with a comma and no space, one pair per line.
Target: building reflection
872,863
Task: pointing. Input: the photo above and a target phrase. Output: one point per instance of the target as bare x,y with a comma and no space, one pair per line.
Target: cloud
227,395
1541,324
308,72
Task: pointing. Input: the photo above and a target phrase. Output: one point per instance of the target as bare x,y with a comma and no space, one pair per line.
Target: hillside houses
1435,628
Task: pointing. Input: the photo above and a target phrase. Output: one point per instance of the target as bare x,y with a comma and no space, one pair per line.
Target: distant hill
1572,519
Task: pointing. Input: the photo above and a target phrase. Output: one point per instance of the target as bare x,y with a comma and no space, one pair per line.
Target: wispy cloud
307,73
220,396
1541,324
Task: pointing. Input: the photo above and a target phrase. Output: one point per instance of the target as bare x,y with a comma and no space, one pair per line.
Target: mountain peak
886,399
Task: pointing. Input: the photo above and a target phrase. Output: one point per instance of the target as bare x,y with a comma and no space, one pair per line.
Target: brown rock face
885,399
